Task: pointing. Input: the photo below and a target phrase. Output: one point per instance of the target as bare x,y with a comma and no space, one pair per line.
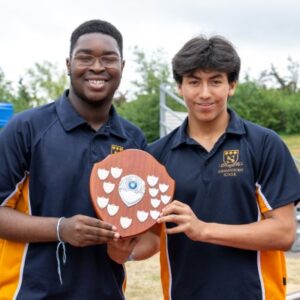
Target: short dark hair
208,54
98,26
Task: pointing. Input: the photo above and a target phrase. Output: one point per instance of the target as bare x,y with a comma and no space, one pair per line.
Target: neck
207,133
95,114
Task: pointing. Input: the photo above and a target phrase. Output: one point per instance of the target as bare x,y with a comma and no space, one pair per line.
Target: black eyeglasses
107,61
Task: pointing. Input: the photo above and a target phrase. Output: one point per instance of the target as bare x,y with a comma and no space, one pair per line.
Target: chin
204,117
97,102
96,98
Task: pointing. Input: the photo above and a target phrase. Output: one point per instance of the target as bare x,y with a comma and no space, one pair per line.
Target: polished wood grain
138,217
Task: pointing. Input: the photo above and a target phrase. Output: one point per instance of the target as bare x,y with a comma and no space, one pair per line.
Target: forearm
17,226
251,237
272,233
136,248
276,231
147,246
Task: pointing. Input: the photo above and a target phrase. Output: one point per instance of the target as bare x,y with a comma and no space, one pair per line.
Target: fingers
95,227
177,229
93,222
104,231
171,219
83,231
183,217
175,212
175,207
124,244
89,240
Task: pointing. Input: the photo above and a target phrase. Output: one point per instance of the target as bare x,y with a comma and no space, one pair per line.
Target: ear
179,89
68,64
232,88
122,65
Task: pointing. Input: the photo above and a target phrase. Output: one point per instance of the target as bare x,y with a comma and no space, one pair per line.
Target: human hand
182,215
119,250
81,231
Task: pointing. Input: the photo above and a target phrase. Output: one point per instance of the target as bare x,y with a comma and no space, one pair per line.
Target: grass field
143,278
293,142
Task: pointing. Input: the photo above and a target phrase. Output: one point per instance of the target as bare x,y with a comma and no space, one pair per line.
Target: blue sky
263,32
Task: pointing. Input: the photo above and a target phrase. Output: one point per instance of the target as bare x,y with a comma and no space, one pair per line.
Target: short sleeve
278,179
14,153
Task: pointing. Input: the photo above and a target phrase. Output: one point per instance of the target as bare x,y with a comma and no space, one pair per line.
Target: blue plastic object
6,112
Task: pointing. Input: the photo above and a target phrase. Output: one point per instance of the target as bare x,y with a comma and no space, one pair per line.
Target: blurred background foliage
271,100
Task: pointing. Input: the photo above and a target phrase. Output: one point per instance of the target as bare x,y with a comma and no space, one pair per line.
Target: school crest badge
230,157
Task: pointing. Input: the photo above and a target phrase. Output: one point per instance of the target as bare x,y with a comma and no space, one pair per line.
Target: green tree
41,84
23,99
278,109
153,70
288,83
143,110
6,94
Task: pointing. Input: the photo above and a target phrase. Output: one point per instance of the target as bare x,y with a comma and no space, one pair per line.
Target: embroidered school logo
116,149
230,157
231,166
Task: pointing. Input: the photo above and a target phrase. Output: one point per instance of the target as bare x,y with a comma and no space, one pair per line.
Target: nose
97,65
204,91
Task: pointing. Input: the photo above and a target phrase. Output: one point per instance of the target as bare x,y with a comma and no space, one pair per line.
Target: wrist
207,232
58,229
130,257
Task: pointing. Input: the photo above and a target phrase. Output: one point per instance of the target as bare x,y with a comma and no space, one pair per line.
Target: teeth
97,82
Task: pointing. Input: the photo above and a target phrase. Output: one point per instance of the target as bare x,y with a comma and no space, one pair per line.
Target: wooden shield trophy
129,189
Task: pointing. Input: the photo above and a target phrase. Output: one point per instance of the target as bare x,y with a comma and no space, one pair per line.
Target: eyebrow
90,51
84,50
216,76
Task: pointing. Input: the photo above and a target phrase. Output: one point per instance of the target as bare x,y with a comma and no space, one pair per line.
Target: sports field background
143,278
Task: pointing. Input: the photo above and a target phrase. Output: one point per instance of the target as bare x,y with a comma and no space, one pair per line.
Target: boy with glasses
52,246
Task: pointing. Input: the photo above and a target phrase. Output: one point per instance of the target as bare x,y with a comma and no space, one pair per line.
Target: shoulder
162,146
32,120
129,126
261,136
133,132
264,144
39,114
270,151
19,136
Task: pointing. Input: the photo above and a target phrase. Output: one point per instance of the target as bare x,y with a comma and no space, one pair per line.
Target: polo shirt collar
235,126
114,124
67,115
181,136
70,119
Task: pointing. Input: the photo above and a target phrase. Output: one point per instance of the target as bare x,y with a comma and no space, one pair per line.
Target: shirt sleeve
15,156
278,179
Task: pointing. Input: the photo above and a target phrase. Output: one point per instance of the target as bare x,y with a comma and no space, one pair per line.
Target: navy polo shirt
249,171
47,154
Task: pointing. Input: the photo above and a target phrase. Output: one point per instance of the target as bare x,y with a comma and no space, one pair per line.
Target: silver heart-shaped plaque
131,189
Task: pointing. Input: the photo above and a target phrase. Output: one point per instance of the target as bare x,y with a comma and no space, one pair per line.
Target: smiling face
95,69
206,94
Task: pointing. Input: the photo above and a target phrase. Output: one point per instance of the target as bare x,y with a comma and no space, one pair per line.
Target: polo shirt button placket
96,149
205,172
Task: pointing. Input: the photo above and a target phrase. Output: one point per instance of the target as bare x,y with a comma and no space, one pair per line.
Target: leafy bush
144,112
272,108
